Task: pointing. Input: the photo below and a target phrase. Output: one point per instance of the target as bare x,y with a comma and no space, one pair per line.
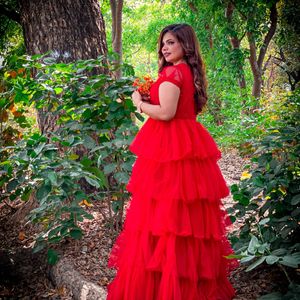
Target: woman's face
172,49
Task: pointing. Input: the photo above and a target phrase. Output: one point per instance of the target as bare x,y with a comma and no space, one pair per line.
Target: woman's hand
136,98
145,97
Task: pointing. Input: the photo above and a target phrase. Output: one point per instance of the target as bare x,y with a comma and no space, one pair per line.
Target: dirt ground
24,275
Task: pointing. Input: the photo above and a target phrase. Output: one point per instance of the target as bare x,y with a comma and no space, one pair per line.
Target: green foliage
84,158
293,293
142,23
239,125
288,43
268,196
10,31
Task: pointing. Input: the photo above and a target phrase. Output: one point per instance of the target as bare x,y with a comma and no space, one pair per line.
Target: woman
173,245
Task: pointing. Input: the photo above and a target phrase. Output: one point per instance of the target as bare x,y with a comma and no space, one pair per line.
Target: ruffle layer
174,140
186,180
199,219
169,267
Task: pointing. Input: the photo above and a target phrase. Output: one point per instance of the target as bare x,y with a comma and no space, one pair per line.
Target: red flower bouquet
143,85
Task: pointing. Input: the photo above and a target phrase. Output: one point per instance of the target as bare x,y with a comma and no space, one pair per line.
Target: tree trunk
116,7
235,43
257,63
256,71
72,29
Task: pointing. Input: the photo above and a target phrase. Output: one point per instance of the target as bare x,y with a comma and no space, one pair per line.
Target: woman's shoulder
173,71
177,74
180,70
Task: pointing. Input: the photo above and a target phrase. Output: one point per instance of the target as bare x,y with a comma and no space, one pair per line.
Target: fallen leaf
21,235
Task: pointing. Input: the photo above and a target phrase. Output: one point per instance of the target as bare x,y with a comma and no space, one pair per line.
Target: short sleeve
172,74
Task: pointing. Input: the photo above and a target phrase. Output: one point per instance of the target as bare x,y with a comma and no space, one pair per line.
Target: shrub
268,196
84,158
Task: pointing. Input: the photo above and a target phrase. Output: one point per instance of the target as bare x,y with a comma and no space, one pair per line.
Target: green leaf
122,177
39,148
55,240
109,168
295,200
264,221
296,255
52,256
89,142
92,181
54,232
39,245
263,248
12,185
139,116
289,261
279,252
86,162
52,177
127,166
271,259
272,296
256,263
96,171
43,191
80,195
58,90
76,234
247,258
253,245
25,196
232,219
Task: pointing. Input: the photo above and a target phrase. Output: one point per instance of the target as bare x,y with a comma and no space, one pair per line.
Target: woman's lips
166,54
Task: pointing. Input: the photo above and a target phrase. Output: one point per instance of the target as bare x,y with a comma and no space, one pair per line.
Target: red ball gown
174,243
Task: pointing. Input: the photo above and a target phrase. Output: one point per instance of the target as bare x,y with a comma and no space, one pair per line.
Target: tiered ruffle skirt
174,245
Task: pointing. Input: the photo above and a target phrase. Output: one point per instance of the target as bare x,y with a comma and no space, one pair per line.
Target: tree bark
116,7
256,71
256,63
72,29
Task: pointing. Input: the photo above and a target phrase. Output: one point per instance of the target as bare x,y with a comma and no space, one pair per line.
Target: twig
10,206
285,272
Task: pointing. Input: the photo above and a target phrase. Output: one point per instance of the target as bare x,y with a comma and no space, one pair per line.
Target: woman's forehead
168,35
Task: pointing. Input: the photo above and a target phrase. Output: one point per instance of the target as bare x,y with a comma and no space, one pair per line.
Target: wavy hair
189,42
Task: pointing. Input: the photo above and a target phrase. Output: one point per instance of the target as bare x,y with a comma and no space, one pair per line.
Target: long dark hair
189,42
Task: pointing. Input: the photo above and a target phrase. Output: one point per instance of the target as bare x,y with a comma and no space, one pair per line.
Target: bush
84,158
268,196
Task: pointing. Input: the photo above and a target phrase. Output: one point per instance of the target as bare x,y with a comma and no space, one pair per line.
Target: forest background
66,118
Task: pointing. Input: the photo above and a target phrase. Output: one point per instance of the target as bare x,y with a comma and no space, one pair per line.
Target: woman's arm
168,98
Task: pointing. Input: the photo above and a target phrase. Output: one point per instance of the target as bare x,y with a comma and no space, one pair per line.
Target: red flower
143,85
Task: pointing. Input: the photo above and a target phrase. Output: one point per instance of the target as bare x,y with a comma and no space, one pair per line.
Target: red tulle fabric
174,244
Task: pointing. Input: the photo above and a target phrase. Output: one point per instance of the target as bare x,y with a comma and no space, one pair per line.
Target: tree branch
253,61
279,65
113,7
278,58
229,11
11,14
266,64
241,13
268,37
242,36
192,7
